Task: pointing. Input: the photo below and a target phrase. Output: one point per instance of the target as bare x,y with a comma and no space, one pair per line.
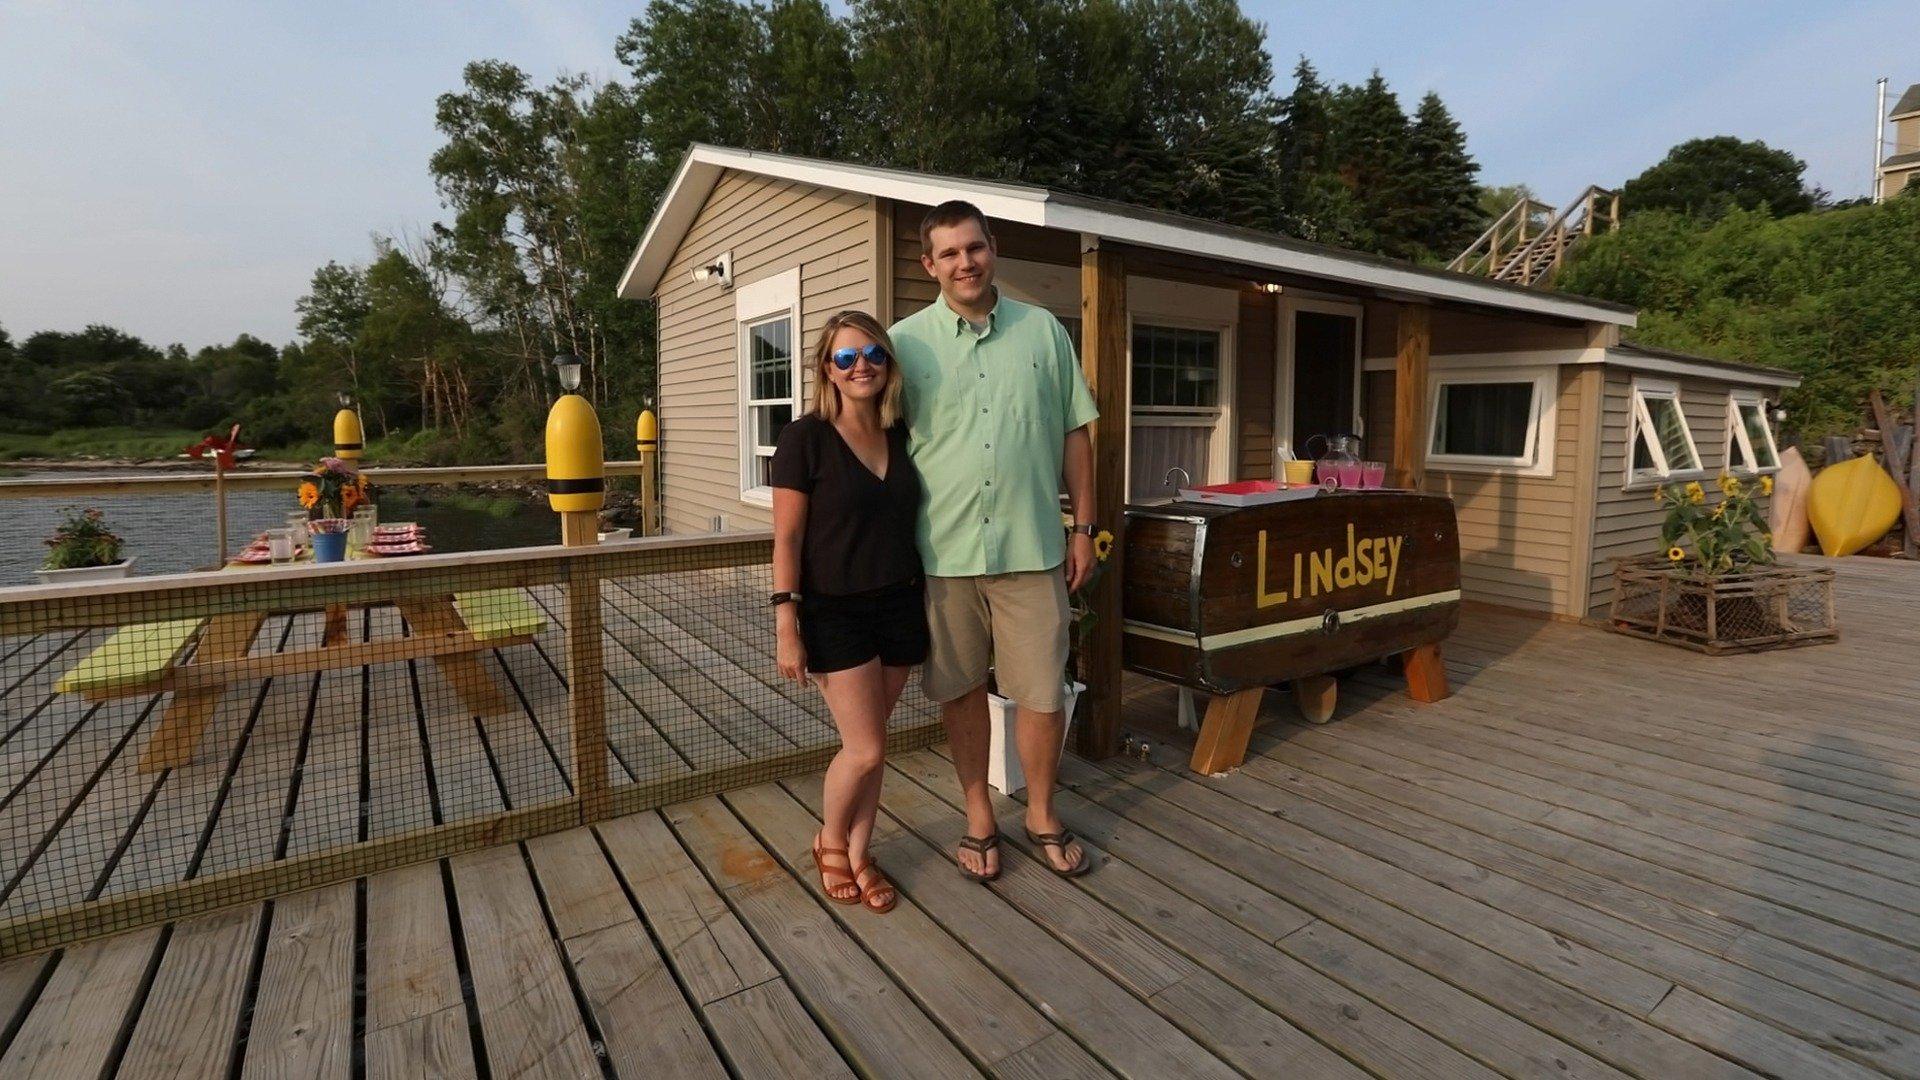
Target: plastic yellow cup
1298,472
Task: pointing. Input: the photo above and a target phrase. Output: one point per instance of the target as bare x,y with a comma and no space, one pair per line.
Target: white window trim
1219,417
1737,430
753,303
1638,418
1292,304
1543,422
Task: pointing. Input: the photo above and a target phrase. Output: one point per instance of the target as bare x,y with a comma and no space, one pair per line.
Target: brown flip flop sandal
1060,840
878,883
979,845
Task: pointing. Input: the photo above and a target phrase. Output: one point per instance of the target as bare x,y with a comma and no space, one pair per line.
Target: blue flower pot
329,547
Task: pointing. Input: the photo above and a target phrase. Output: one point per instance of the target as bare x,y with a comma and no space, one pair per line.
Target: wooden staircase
1527,244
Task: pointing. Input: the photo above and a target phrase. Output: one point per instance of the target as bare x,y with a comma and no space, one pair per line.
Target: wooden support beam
1426,674
1103,355
1222,744
1414,342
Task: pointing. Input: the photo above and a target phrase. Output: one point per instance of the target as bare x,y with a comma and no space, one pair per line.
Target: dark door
1324,355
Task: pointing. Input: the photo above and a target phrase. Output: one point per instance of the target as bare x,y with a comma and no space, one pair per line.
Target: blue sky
180,169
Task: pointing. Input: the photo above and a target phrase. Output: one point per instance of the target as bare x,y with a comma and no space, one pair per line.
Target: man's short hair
946,216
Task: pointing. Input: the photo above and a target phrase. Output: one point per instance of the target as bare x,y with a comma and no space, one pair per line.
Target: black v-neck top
859,526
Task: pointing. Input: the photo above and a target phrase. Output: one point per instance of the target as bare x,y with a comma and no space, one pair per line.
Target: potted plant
82,548
1003,755
330,494
1716,586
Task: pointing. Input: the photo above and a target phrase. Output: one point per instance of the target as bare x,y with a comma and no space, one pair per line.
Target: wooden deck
1601,857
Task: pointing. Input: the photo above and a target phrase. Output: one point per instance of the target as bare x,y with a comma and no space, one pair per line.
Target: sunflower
1103,545
1725,482
1674,554
349,498
1695,493
1766,485
1659,492
1734,488
309,494
1720,510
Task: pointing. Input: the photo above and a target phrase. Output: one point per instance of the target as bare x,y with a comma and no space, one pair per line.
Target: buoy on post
646,440
576,460
349,439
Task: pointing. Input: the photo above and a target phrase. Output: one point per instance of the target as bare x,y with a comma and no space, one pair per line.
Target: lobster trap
1770,607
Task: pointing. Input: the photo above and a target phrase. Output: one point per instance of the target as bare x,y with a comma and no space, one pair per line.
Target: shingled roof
1909,103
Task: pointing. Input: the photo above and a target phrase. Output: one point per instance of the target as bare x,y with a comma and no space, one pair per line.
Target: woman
846,575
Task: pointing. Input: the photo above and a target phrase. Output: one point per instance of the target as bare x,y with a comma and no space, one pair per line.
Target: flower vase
329,546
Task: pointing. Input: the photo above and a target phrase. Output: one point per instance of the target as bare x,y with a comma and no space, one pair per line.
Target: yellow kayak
1852,504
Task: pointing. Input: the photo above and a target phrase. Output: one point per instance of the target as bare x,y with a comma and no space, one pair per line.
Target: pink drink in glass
1324,471
1349,475
1373,473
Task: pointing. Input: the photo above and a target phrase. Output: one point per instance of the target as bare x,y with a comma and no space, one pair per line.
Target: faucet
1186,479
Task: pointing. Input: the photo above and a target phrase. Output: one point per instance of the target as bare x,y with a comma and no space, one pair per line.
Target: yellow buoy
646,432
576,461
1851,504
348,442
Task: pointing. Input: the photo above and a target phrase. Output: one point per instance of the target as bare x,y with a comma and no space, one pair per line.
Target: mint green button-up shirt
987,419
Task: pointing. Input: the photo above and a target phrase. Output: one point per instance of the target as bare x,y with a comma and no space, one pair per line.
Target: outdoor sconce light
721,270
1270,288
576,459
349,442
567,366
1779,415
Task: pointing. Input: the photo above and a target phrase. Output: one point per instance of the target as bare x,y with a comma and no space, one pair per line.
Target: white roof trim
700,170
1625,359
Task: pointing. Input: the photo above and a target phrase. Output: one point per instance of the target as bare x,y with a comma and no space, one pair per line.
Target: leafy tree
944,85
1830,295
1709,177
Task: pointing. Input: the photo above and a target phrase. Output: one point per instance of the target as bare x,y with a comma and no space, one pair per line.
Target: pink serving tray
1248,493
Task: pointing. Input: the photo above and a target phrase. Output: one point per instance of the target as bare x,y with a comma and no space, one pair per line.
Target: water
174,533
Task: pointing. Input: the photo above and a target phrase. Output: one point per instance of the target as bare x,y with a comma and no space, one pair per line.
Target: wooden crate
1770,607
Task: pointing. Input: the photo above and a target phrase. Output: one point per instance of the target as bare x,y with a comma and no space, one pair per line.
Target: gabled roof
1028,204
1647,358
1908,104
1898,161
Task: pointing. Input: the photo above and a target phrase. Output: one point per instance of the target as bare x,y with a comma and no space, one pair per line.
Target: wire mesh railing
171,745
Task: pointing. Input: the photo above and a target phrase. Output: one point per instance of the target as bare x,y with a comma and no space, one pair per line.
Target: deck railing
170,745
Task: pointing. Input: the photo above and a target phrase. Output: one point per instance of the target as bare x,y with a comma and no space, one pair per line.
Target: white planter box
123,568
1003,754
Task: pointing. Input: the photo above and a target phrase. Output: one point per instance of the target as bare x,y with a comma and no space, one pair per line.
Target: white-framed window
1659,443
1750,446
767,317
1176,368
1499,421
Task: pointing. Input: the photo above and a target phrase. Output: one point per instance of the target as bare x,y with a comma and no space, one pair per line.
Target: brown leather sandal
980,845
1060,840
879,885
846,877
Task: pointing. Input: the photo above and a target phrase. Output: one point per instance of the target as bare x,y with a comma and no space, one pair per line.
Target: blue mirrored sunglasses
844,358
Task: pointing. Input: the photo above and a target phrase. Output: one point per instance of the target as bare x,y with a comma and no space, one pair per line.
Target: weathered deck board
1601,856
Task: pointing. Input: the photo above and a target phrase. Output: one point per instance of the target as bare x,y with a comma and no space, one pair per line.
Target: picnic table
198,659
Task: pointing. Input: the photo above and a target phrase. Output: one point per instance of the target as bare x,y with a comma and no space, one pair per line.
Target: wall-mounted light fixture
720,269
1270,287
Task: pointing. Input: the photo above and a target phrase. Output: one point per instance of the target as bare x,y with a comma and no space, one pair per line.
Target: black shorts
843,632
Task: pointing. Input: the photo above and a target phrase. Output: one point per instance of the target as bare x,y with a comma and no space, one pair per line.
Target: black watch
1086,530
783,598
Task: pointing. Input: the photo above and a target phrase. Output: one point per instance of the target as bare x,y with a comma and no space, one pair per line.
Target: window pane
1736,456
1642,452
771,352
768,422
1670,427
1484,419
1755,420
1174,366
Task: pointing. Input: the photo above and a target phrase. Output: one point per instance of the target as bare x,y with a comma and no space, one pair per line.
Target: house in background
1523,405
1902,163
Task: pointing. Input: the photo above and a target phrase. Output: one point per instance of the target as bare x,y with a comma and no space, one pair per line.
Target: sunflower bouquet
1724,538
331,493
1080,604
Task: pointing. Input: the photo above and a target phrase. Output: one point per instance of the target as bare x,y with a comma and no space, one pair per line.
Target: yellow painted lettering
1380,558
1363,562
1261,597
1321,571
1297,586
1343,570
1393,561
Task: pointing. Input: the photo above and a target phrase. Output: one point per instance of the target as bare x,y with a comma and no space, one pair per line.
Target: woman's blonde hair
826,396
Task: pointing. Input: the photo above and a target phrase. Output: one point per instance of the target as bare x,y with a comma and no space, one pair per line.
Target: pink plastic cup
1349,474
1373,474
1326,472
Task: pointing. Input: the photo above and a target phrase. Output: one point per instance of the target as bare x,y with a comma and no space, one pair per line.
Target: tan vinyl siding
1516,532
770,226
1627,522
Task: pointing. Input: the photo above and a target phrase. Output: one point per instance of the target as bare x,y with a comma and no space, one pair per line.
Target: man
997,412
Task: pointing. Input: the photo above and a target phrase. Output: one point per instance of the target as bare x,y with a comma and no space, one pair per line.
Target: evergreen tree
1444,193
944,86
1372,158
1313,202
1089,129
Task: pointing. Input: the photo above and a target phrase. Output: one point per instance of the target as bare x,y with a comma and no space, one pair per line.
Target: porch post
1103,355
1410,432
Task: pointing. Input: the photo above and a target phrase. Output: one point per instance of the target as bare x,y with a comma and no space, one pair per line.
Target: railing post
1103,356
1414,337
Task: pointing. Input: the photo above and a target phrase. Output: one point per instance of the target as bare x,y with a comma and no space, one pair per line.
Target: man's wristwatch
783,598
1086,530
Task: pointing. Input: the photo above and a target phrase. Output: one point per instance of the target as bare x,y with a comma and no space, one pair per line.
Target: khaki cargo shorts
1015,624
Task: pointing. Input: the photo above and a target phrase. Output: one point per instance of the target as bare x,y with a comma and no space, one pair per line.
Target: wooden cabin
1525,406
